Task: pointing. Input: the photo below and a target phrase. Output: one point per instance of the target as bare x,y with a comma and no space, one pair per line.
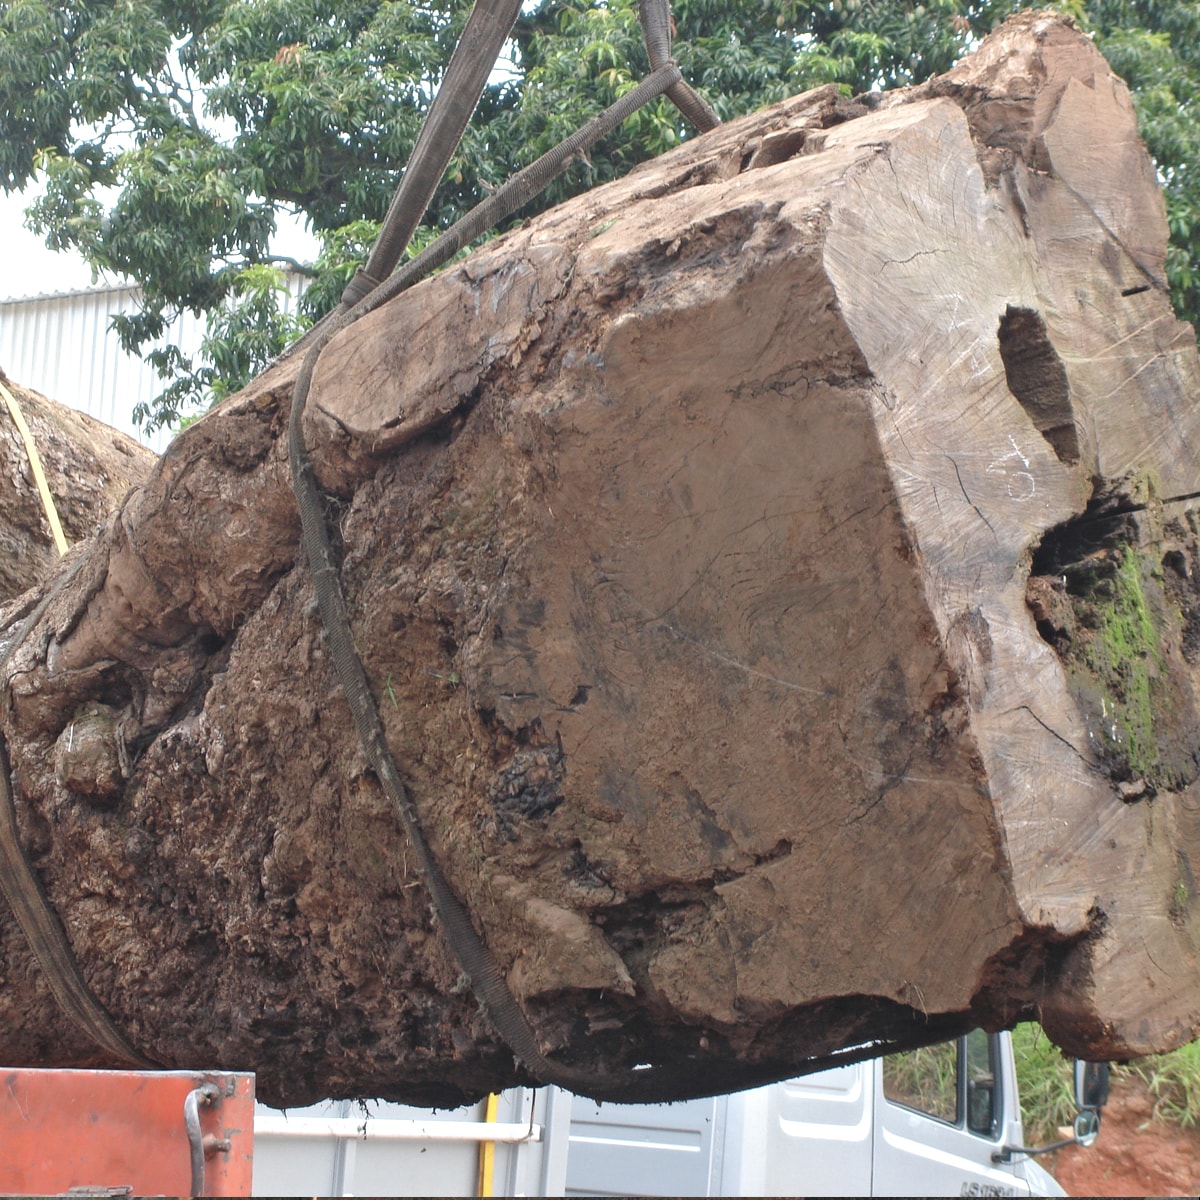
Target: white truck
940,1121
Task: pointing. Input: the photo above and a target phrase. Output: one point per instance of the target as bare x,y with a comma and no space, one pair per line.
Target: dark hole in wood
1038,379
1071,550
775,148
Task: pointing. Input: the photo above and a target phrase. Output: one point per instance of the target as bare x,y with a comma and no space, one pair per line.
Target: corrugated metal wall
62,347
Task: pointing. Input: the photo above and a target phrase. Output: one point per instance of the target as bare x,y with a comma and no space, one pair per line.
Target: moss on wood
1125,658
1100,596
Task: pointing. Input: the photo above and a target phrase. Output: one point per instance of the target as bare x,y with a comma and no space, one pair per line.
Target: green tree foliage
168,136
1154,45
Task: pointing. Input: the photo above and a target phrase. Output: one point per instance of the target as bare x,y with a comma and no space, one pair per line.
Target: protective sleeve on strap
655,18
488,26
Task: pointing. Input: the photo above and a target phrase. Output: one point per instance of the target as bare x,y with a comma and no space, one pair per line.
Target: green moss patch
1112,593
1125,656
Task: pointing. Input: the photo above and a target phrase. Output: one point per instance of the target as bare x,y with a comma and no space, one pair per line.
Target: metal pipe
389,1130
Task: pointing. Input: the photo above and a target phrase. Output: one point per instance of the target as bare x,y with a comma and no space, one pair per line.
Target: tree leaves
1155,47
168,135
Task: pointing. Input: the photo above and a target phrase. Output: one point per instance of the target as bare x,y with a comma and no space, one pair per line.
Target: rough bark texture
770,575
89,468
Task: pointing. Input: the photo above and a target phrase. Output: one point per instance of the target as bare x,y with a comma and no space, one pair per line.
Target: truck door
940,1116
815,1135
644,1149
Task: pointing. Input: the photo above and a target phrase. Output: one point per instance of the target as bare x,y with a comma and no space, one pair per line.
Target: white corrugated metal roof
61,345
66,293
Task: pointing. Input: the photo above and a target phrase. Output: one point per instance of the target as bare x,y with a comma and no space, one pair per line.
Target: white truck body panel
835,1133
832,1112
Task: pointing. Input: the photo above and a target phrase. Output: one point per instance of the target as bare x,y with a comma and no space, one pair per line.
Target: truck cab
942,1120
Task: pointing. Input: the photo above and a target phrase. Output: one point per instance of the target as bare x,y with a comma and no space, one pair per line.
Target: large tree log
772,576
89,468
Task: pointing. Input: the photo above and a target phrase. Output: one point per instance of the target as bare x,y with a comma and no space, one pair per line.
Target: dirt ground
1133,1156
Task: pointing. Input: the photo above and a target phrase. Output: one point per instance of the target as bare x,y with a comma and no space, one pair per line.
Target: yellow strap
35,465
486,1182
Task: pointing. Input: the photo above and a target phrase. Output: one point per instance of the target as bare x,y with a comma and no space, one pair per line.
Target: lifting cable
22,887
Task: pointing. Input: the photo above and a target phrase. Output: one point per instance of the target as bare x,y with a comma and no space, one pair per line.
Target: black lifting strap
474,956
488,26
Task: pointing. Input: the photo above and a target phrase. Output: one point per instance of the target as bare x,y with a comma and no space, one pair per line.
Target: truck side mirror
1091,1094
1091,1085
1087,1126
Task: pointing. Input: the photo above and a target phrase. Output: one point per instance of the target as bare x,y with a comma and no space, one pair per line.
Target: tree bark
89,468
774,578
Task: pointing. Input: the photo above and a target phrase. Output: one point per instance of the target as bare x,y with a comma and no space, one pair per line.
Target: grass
1045,1080
1174,1082
1046,1083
